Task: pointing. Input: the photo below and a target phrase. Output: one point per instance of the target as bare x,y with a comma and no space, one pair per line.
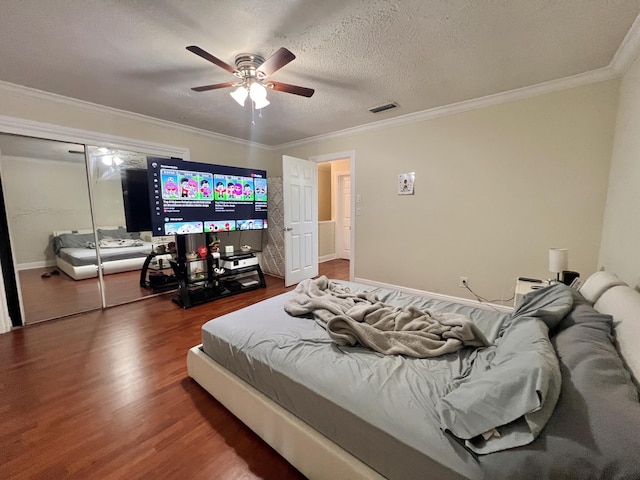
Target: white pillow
597,284
623,303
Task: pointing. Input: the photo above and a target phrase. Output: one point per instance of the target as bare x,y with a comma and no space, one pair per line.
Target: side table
526,285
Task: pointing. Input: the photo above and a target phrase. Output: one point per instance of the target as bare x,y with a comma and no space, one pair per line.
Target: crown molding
627,52
594,76
21,126
102,109
629,49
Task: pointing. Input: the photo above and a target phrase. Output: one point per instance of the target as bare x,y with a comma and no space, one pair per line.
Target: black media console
206,279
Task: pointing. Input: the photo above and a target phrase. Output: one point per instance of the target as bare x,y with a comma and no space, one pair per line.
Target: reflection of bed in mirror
338,411
120,251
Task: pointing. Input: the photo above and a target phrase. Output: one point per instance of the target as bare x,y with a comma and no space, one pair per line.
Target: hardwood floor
59,295
106,395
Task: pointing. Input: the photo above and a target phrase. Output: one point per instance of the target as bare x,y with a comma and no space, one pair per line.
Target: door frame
49,131
337,200
351,155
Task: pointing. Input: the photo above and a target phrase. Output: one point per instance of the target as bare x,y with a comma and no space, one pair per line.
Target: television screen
135,196
190,197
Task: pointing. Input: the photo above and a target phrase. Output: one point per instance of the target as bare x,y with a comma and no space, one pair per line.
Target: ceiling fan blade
211,58
295,89
275,62
214,86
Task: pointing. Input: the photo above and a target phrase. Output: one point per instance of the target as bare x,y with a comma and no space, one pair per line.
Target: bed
120,251
342,410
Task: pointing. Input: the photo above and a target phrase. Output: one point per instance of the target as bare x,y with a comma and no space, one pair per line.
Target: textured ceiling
131,55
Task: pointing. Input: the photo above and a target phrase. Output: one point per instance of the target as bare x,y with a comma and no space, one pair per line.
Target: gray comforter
510,389
507,393
593,432
391,411
352,318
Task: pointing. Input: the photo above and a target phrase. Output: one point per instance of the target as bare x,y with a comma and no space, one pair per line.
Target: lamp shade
239,95
558,259
261,103
257,91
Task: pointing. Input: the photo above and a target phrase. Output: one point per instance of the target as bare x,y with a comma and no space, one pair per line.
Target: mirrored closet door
48,212
78,226
121,210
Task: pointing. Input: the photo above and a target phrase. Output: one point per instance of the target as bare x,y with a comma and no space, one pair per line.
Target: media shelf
154,276
199,281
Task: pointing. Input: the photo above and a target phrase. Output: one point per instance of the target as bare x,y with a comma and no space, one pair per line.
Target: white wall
32,105
495,188
204,147
324,191
621,232
109,202
337,167
326,240
42,196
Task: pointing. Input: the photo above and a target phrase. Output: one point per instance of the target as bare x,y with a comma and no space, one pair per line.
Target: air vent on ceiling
382,108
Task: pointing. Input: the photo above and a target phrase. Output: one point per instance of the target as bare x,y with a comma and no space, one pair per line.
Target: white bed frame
82,272
315,455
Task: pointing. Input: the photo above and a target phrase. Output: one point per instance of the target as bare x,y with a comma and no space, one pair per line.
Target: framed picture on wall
405,183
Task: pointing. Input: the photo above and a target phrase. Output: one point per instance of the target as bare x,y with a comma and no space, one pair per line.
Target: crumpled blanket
512,387
352,318
116,243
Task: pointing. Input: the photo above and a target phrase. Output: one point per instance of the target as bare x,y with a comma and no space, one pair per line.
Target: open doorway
334,210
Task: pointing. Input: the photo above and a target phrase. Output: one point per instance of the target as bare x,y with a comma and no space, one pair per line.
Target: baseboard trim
327,258
32,265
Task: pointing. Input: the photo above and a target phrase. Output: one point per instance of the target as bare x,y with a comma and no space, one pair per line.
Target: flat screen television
135,196
192,197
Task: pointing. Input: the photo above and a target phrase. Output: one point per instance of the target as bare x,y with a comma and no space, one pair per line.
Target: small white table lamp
558,261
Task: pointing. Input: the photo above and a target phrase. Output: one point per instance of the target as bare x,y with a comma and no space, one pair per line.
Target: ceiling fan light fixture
252,70
239,95
261,103
257,91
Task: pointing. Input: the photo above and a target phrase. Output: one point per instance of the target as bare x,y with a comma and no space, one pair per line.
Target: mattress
88,256
381,409
376,407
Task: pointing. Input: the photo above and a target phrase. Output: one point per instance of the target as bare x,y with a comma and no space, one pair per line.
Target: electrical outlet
463,282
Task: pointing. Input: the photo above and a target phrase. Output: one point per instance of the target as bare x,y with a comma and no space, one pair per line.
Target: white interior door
300,195
343,217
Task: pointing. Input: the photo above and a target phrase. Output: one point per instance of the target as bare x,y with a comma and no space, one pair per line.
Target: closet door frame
48,131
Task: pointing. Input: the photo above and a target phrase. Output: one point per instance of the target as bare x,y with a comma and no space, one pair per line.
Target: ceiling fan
252,71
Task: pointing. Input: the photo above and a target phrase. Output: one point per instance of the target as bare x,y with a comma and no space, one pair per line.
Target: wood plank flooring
59,295
106,395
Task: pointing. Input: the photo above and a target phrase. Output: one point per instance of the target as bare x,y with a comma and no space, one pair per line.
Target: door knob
288,229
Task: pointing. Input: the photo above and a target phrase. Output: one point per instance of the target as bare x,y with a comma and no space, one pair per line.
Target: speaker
568,277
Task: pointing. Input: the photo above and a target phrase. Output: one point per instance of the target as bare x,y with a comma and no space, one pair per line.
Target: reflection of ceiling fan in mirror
108,162
112,157
252,71
107,157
